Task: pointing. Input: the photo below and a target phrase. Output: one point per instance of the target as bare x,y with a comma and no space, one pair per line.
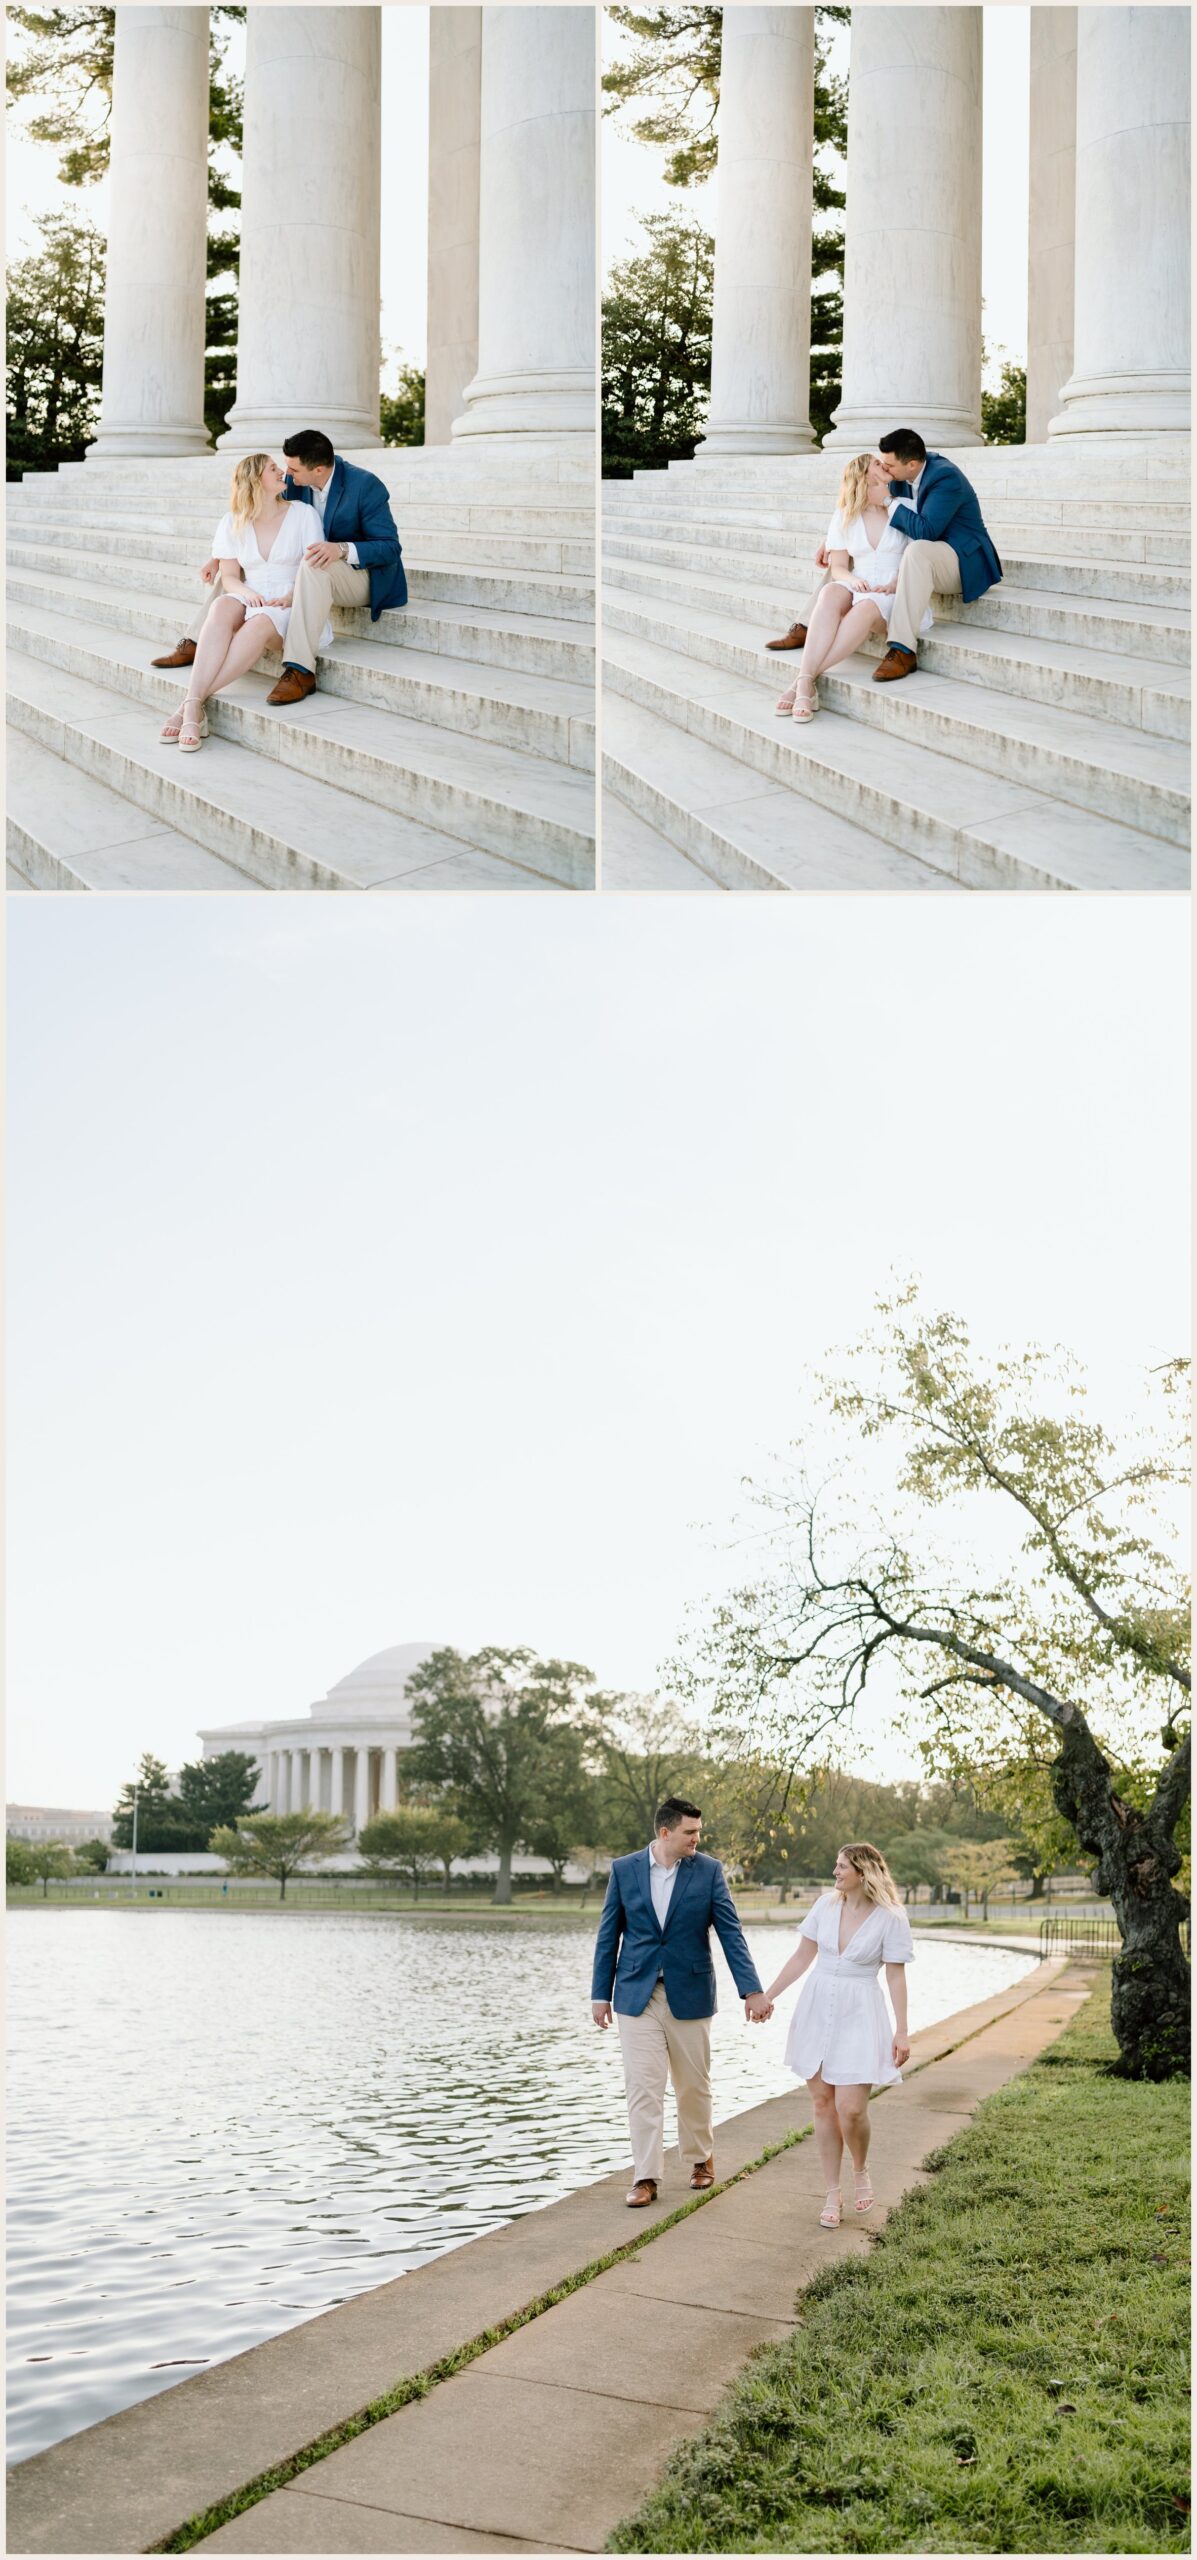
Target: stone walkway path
544,2441
547,2440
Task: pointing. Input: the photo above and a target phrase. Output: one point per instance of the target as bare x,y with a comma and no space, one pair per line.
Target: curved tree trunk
1137,1859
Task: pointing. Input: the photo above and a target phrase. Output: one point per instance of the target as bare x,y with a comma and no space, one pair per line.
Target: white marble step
550,520
67,830
1134,582
1111,469
1138,779
82,755
540,592
740,830
1160,633
428,546
778,529
636,858
493,798
985,828
622,499
540,713
533,643
1128,691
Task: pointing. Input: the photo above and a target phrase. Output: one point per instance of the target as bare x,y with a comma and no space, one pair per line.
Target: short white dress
877,563
275,576
841,2024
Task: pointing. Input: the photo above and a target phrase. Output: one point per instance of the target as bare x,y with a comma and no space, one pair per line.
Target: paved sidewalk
129,2482
548,2439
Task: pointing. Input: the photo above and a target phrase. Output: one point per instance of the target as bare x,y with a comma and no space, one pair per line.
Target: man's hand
757,2008
600,2011
210,572
821,559
322,554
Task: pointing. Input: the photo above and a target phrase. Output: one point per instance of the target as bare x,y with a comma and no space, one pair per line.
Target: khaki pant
928,568
315,591
656,2045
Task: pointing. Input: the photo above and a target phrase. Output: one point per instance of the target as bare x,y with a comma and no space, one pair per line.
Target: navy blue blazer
631,1949
949,511
358,509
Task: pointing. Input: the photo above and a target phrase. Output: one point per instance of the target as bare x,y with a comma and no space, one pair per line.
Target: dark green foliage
401,411
217,1790
1005,2372
209,1793
657,348
498,1732
672,74
55,346
1004,412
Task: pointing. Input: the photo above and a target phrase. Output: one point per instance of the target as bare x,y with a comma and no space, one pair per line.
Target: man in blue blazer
652,1963
948,549
355,558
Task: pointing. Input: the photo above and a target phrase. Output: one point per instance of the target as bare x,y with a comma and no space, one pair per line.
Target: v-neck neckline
265,556
853,1933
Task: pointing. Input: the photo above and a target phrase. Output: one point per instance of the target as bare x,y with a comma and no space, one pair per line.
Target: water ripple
219,2127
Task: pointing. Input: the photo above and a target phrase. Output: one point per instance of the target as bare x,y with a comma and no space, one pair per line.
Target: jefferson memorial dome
342,1754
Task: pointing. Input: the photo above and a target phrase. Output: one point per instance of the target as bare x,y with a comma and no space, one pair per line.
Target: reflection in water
222,2123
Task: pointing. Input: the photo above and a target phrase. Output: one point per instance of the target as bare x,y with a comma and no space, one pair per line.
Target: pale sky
33,186
632,184
434,1268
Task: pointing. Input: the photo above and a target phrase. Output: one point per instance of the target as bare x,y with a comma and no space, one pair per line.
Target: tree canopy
1057,1630
55,346
657,347
498,1730
183,1817
280,1844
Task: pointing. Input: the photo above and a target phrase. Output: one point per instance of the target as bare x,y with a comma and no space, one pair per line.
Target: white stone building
35,1822
458,748
1042,743
340,1755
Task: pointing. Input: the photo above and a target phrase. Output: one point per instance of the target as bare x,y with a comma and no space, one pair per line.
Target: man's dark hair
674,1810
309,447
904,445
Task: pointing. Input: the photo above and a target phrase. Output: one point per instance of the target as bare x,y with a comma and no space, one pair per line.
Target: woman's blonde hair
876,1882
247,487
853,487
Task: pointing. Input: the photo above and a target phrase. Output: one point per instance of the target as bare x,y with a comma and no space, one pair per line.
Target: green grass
1005,2371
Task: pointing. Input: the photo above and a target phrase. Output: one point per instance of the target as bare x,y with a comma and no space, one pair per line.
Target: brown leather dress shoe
294,685
703,2173
644,2192
896,662
795,638
182,656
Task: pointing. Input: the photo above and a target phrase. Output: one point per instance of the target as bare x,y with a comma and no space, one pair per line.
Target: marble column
1052,220
1131,337
760,349
454,134
280,1791
308,317
361,1789
154,317
912,272
336,1800
389,1792
535,389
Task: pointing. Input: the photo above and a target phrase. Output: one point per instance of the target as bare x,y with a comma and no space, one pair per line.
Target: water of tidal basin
223,2123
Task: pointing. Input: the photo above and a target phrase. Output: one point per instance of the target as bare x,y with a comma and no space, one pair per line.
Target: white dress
877,563
275,576
841,2025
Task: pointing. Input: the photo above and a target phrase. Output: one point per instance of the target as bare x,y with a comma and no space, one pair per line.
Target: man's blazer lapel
640,1872
682,1877
336,491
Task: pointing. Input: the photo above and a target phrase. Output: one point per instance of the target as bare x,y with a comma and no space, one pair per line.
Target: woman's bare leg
225,620
256,635
855,627
830,605
827,2128
852,2121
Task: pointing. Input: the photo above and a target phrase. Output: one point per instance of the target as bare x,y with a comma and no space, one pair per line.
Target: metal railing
1088,1937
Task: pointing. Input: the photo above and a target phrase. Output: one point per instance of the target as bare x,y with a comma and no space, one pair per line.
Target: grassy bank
1005,2372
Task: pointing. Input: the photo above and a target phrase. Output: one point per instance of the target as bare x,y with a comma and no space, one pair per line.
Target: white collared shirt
660,1883
320,501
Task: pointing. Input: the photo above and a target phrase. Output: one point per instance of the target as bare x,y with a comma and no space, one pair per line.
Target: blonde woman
863,552
840,2041
258,548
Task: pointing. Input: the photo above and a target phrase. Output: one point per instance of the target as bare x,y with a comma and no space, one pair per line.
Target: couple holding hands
653,1972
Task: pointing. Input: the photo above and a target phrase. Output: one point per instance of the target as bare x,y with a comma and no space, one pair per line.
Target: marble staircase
450,745
1042,744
